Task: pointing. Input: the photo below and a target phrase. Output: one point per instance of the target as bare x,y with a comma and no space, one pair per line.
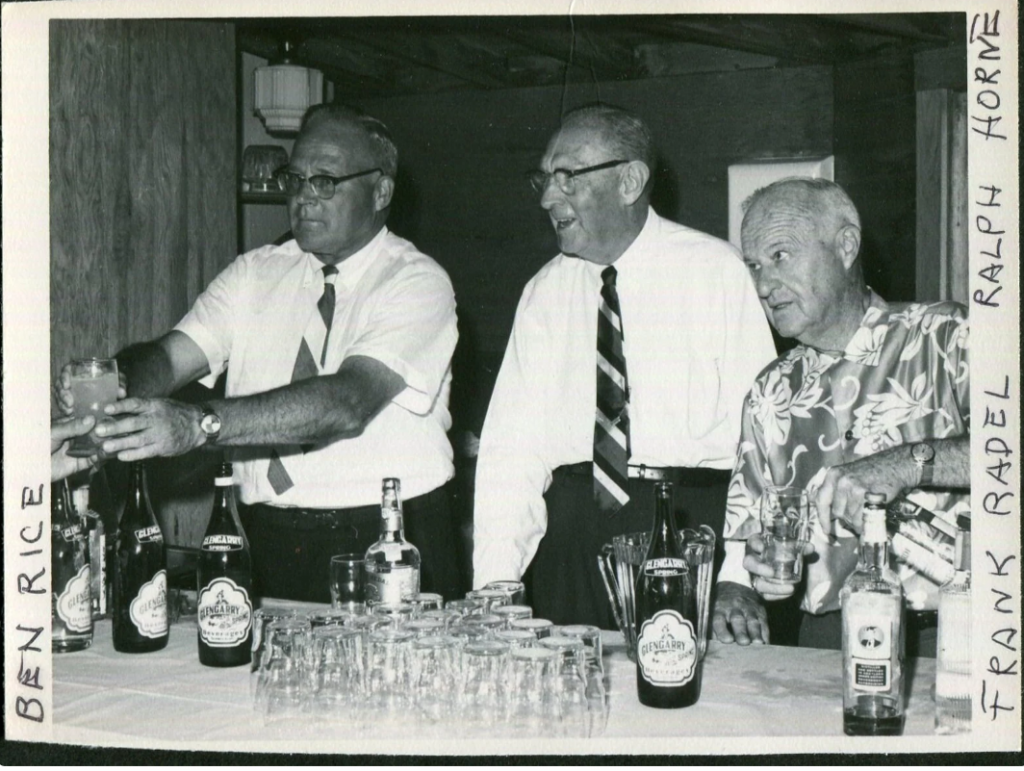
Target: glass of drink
93,386
348,581
785,530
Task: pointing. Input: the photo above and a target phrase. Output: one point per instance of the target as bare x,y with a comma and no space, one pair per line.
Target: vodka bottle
953,663
71,607
96,538
392,563
873,608
139,596
668,666
224,578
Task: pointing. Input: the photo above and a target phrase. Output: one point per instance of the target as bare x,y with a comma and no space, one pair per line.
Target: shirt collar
637,249
877,312
351,269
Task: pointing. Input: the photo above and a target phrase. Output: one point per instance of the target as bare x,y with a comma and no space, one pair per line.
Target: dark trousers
563,583
292,548
826,631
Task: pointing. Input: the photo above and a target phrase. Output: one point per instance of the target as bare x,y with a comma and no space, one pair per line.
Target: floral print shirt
903,378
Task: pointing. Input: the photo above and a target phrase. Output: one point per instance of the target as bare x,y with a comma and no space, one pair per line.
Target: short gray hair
385,154
821,198
625,132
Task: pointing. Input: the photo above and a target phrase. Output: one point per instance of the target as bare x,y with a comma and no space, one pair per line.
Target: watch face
922,453
210,424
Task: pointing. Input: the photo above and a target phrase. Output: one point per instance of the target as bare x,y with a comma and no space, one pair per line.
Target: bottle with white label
139,592
96,539
392,563
71,608
873,608
668,665
224,578
953,686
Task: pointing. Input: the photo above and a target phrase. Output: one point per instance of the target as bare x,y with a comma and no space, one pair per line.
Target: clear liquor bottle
392,563
873,609
953,663
71,606
96,538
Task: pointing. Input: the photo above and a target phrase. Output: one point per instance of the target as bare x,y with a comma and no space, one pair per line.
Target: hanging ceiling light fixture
283,91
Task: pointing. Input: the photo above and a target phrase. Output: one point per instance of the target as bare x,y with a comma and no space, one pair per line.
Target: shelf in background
254,197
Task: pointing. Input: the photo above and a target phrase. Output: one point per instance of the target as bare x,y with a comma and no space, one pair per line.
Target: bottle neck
391,526
874,543
665,535
137,511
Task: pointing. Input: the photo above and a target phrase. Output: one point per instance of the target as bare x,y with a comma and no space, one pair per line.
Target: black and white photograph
428,381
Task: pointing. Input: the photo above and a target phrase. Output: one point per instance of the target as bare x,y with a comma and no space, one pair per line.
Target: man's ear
633,181
383,189
847,244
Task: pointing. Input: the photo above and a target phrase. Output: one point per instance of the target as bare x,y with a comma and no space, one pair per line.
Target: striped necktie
306,365
611,427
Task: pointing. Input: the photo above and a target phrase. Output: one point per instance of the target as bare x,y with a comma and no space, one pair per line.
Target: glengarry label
148,611
74,604
666,649
151,534
222,543
225,613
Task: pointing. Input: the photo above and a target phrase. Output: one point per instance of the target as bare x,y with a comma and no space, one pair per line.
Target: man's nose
765,282
551,194
306,195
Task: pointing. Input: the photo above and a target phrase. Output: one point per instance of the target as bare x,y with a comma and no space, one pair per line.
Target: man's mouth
561,223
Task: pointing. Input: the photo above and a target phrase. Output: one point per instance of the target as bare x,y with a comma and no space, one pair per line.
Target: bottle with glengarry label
872,610
668,665
139,595
392,564
96,540
71,605
224,578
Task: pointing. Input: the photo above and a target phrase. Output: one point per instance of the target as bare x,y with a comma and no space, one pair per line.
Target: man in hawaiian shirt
875,398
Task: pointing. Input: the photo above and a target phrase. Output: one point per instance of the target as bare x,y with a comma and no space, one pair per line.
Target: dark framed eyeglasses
565,178
323,185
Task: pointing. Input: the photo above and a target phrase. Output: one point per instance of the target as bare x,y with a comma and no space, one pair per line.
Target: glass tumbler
491,598
388,674
533,708
516,590
435,673
570,684
512,613
338,671
482,698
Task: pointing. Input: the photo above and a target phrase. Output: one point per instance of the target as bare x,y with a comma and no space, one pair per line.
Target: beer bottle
224,580
71,605
140,574
668,666
392,563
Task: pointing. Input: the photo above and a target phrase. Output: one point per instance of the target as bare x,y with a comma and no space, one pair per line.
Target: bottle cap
874,525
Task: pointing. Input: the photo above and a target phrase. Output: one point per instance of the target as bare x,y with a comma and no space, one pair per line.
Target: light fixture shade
283,92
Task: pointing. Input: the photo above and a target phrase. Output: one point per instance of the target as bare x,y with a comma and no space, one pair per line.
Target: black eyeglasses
323,185
565,178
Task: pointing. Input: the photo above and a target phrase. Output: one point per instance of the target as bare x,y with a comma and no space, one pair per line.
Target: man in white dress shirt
681,335
337,347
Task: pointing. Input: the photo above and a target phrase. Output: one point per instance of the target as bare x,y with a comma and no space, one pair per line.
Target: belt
678,475
293,518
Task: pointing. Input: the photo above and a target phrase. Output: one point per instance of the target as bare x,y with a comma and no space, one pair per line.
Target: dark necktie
306,366
611,426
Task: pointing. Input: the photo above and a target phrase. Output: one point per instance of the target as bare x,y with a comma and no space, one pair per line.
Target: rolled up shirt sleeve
413,332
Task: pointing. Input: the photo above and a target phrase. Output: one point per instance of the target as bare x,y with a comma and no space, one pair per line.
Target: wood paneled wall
142,201
142,177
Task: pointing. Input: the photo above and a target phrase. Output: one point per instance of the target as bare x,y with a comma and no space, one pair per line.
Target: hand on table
841,494
61,464
62,389
150,428
738,615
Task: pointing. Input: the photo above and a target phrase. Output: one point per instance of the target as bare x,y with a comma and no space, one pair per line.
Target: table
168,700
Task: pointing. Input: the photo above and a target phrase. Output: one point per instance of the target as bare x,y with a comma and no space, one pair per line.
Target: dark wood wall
142,177
143,121
463,199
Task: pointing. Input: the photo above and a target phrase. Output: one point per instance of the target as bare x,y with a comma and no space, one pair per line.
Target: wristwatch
209,423
923,455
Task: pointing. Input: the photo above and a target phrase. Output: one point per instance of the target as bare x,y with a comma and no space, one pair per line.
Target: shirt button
849,435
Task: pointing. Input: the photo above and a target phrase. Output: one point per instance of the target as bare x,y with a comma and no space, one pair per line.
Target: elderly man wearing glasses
337,347
629,359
